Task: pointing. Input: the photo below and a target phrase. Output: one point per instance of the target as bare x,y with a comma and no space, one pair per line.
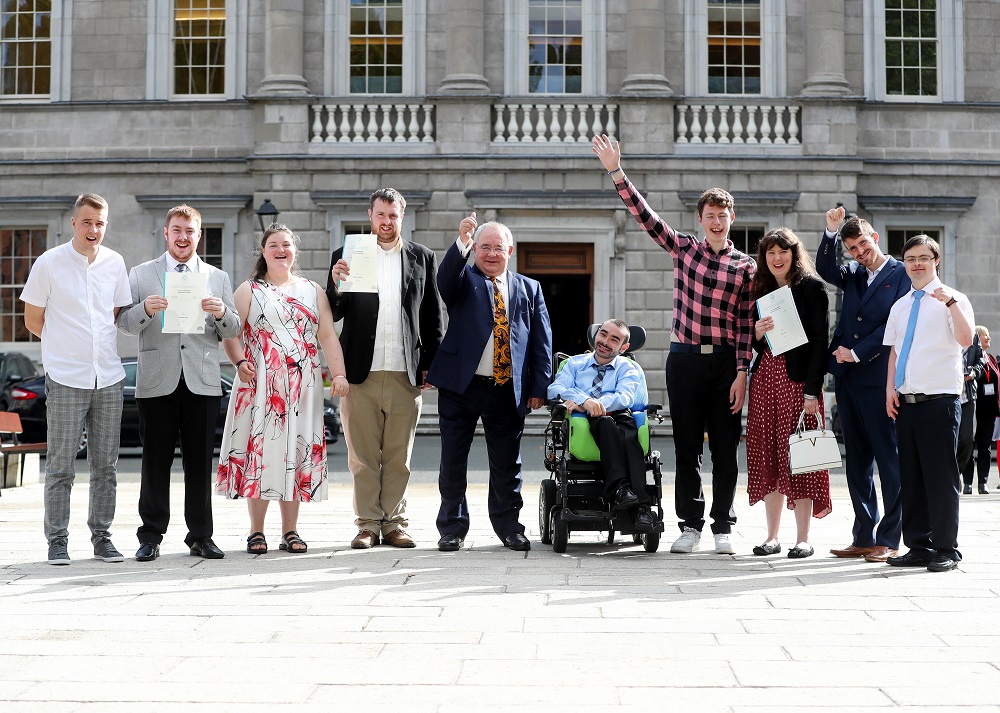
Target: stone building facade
887,106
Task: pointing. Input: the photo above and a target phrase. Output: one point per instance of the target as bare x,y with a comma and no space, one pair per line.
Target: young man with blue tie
606,386
928,329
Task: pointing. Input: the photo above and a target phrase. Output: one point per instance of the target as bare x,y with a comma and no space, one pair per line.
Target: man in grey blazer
178,388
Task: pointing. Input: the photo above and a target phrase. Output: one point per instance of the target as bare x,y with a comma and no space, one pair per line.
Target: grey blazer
162,357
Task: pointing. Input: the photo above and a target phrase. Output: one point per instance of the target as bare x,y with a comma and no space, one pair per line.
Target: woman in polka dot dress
781,387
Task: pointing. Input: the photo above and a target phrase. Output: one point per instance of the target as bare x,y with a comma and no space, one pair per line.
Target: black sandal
291,542
257,544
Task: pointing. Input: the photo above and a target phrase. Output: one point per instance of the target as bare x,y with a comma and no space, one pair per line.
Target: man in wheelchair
607,387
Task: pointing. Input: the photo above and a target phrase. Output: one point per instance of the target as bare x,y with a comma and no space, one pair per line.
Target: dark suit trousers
928,436
457,418
698,387
617,437
986,413
870,437
161,419
966,436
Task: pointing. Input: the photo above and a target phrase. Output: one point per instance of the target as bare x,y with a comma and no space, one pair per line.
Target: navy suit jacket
864,313
470,324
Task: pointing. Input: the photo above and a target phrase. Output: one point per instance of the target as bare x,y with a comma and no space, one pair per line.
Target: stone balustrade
345,122
737,123
558,123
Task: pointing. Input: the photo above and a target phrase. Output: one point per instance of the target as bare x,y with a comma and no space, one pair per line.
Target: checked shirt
712,299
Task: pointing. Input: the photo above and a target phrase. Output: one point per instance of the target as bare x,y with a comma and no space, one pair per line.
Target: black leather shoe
625,498
911,559
967,490
207,549
643,519
942,563
983,490
517,542
147,552
450,543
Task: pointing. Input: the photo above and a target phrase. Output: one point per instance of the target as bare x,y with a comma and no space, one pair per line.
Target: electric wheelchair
571,498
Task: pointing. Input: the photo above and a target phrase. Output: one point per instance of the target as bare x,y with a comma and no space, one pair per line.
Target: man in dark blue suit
494,363
872,283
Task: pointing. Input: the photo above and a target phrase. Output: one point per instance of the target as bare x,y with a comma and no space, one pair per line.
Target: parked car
14,368
27,398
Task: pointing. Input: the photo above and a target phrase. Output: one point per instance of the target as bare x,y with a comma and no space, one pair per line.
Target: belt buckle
910,398
707,348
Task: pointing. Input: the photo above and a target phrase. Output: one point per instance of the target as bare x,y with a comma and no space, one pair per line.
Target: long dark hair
259,268
802,265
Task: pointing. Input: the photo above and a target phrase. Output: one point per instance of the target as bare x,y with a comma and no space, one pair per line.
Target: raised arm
826,255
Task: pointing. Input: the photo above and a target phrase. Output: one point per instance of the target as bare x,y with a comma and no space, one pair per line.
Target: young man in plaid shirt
709,351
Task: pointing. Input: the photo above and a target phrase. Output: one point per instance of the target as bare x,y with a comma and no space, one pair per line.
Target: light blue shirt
623,387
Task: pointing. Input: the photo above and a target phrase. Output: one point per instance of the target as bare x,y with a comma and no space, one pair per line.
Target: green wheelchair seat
581,441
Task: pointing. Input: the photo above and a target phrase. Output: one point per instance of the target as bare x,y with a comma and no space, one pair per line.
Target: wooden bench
10,425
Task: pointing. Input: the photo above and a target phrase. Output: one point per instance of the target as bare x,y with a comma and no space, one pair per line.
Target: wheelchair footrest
585,515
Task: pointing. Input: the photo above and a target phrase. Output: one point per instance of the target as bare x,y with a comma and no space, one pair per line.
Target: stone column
825,49
646,40
464,56
283,43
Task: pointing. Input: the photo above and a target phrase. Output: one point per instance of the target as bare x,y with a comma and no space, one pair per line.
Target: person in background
973,363
781,388
987,410
273,446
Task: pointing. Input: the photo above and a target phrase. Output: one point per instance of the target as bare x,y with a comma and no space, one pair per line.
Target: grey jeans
67,410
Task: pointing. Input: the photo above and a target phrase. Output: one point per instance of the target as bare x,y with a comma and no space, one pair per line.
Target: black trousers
966,434
622,458
698,388
986,413
927,435
161,420
458,415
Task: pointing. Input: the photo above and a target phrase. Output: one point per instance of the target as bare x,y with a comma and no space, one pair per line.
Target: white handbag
812,450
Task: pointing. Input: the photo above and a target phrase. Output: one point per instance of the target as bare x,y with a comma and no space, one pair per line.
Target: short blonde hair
91,200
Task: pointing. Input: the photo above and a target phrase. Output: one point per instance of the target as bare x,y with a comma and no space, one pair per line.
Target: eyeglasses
921,260
490,250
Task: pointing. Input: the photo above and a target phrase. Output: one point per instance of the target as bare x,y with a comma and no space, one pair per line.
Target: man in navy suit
494,363
871,283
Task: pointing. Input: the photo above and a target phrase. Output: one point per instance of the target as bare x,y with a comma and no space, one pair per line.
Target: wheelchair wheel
546,501
560,533
651,541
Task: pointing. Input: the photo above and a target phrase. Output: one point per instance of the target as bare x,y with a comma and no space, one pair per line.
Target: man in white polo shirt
71,299
928,328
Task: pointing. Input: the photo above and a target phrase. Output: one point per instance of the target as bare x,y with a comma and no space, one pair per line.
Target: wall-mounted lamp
267,214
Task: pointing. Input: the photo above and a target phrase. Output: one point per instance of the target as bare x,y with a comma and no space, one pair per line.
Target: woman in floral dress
273,447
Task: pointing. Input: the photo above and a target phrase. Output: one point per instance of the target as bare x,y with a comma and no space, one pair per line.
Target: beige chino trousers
380,419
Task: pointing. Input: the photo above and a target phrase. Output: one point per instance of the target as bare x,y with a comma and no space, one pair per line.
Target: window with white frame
19,247
210,247
746,237
197,49
374,47
555,47
914,50
376,59
25,48
733,47
896,238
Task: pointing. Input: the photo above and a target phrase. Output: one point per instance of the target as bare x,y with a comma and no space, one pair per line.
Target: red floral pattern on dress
273,446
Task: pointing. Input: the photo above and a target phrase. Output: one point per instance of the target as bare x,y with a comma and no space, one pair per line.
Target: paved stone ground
601,627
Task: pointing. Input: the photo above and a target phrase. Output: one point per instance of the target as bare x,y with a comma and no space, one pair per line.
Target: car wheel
82,450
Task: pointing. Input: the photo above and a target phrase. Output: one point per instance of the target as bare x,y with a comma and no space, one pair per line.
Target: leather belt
677,347
480,379
920,398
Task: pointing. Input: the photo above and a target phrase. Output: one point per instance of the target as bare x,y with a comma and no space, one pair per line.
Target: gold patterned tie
501,337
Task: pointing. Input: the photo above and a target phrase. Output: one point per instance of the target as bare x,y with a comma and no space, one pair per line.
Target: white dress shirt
485,367
388,354
193,264
79,336
935,362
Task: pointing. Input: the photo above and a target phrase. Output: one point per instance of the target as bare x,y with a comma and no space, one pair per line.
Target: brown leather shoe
398,538
880,553
365,540
852,551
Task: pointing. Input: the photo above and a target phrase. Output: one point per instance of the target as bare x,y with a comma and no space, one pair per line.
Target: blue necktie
904,352
595,388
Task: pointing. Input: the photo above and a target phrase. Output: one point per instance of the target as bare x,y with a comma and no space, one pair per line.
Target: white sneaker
687,542
723,546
